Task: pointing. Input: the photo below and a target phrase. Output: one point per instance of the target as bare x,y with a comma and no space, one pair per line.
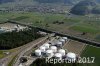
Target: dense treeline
42,62
15,39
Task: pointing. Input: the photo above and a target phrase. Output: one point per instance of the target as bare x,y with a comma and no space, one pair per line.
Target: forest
15,39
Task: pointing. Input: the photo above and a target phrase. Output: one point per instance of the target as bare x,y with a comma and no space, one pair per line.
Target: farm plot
89,32
75,46
91,51
73,25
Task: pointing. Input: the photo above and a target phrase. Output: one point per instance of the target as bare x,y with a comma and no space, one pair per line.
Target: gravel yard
75,46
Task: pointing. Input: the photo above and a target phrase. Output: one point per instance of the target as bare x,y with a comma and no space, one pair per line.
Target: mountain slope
5,1
81,7
59,1
44,1
47,1
84,7
96,10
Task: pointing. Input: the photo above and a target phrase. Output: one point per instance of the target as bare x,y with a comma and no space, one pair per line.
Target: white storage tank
46,45
71,56
15,26
62,40
54,48
65,38
42,48
1,29
62,51
58,56
20,65
59,44
38,52
49,53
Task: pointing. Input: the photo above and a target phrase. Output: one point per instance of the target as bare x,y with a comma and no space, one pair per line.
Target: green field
91,51
85,29
74,23
1,54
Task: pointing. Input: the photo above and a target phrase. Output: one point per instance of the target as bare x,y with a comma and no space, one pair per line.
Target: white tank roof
46,45
1,29
42,48
58,55
49,51
20,65
65,38
71,55
15,26
62,51
62,40
38,52
54,48
59,42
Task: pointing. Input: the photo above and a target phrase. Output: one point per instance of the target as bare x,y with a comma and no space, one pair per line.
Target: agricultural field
72,24
91,51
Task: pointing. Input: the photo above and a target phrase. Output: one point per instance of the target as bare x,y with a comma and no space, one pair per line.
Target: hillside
85,7
96,10
98,1
71,2
78,7
5,1
67,2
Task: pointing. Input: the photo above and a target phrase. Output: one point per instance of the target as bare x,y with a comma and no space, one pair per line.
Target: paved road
5,61
30,60
17,62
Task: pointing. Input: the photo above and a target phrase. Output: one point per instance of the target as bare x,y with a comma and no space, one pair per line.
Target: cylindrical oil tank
20,65
62,40
42,48
71,56
58,56
62,51
46,45
59,44
38,52
65,38
49,53
54,48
